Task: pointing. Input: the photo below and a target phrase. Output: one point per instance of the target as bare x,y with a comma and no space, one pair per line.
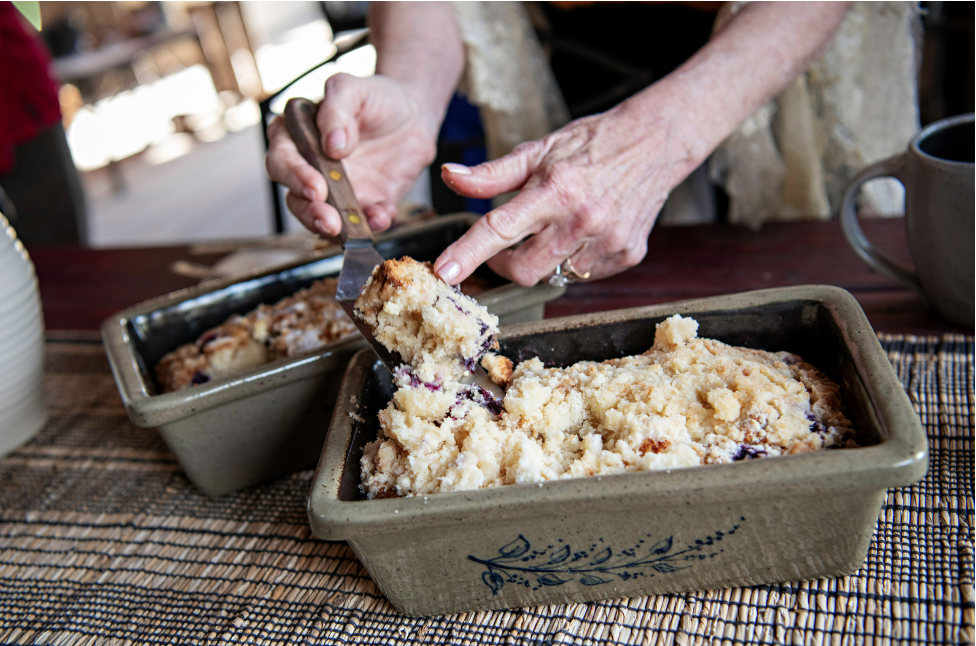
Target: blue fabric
462,123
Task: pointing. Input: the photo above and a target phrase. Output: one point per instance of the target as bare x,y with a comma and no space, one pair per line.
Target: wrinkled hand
379,132
590,191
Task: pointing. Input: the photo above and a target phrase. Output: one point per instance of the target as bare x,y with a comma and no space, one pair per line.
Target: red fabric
28,94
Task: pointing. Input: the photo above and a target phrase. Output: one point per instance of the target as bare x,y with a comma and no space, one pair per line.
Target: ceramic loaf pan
752,522
271,420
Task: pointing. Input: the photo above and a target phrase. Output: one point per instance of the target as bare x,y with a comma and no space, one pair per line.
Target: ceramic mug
937,171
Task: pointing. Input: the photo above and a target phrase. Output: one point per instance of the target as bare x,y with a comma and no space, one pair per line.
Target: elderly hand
384,139
590,192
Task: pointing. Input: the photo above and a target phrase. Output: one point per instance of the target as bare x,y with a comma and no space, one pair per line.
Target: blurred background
160,137
163,105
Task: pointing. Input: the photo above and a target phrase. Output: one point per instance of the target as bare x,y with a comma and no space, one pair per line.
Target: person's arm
418,45
384,127
592,190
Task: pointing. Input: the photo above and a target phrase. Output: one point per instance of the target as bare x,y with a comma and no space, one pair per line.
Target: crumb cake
437,330
687,401
305,321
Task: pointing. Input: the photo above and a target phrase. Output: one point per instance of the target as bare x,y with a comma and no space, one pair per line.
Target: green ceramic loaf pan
269,421
747,523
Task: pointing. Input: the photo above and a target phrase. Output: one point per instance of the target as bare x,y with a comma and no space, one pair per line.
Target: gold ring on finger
570,272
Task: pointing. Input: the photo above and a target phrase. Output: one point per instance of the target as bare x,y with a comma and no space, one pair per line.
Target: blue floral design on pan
517,563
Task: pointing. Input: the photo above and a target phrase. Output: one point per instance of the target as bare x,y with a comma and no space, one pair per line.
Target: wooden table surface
81,287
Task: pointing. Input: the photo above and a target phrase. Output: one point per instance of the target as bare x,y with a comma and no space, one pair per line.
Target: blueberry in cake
305,321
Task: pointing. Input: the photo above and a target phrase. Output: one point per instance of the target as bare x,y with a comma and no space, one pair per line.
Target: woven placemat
104,541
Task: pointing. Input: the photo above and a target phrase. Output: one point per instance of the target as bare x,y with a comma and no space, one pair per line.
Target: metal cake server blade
358,263
359,257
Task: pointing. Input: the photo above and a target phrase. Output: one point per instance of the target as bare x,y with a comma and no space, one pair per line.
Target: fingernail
449,271
337,139
457,169
309,193
320,228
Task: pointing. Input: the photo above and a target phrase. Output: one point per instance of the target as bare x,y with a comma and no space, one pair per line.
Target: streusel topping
685,402
303,322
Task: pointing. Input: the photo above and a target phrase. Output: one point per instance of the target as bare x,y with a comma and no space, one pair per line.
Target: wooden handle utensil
300,122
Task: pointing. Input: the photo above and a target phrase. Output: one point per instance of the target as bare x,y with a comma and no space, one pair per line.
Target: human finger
286,166
609,255
537,258
337,117
508,173
380,215
525,214
317,217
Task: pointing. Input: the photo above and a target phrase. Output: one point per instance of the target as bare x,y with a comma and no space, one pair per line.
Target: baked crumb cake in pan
566,539
686,401
303,322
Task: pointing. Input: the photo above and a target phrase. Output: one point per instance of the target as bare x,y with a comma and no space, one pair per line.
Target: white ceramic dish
22,412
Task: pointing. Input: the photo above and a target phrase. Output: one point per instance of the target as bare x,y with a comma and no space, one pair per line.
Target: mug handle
893,167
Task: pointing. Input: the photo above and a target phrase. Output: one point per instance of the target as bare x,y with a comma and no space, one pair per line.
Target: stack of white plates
22,412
